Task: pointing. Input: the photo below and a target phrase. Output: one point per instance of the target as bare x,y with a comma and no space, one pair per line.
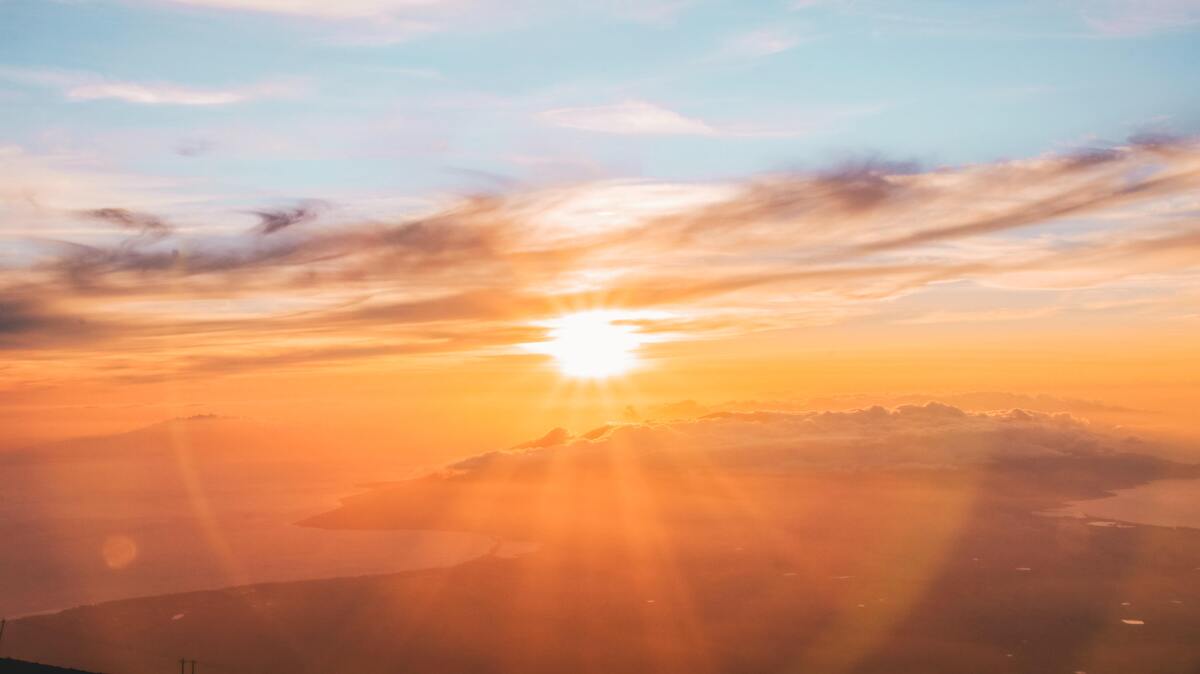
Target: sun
592,344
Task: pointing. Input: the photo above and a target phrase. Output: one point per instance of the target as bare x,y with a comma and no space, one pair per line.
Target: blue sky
250,100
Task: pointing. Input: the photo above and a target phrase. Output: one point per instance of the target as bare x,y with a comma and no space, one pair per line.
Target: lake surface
1166,503
85,531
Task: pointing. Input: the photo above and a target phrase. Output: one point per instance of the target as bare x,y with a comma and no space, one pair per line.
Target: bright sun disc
592,344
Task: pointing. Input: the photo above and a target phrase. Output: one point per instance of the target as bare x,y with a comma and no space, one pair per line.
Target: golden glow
592,344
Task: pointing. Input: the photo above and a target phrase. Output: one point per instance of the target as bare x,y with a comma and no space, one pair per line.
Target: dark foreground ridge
10,666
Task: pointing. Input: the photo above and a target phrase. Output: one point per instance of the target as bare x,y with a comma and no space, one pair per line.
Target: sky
426,221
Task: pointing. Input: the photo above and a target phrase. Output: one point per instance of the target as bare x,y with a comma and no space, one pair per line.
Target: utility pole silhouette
183,663
3,622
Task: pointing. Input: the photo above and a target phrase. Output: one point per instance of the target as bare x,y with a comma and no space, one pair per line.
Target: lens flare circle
118,551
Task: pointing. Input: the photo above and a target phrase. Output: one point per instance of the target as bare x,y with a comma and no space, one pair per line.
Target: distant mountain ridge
211,434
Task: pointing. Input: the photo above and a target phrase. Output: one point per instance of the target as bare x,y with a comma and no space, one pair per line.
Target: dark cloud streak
271,221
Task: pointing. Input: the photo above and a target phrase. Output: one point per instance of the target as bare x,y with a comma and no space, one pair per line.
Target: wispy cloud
427,11
478,274
648,119
278,219
932,435
381,32
131,92
1078,18
1130,18
645,11
978,315
760,43
319,8
628,117
35,184
82,86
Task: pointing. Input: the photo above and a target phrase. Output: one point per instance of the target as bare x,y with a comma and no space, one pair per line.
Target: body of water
89,530
1165,503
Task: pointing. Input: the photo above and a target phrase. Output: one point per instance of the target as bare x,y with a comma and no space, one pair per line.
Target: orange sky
1070,275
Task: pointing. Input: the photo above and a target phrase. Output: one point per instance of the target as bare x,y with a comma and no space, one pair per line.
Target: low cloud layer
933,435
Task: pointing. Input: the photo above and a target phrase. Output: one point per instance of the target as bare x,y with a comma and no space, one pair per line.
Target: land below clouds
729,543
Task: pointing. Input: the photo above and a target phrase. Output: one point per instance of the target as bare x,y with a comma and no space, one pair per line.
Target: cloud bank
933,435
476,274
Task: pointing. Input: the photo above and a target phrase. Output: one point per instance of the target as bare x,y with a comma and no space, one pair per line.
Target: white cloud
790,122
341,9
132,92
645,11
642,118
931,435
383,31
82,86
760,43
1121,18
72,182
629,117
640,11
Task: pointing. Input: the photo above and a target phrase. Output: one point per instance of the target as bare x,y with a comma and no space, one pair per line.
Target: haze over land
603,336
864,540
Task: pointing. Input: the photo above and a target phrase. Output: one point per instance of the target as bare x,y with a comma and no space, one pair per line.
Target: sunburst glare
592,344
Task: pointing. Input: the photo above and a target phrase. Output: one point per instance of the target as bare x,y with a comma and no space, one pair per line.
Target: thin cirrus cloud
642,118
381,23
1100,18
645,11
760,43
35,184
84,86
447,11
132,92
476,275
976,316
1129,18
344,9
628,118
